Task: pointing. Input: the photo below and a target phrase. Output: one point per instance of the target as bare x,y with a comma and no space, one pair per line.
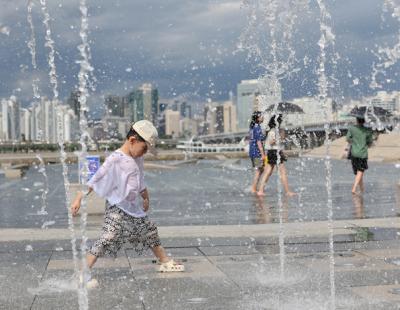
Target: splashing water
276,58
42,170
32,49
54,285
387,56
85,70
327,40
50,44
63,157
53,80
47,224
32,40
5,30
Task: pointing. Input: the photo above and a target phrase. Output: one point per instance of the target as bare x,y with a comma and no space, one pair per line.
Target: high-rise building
10,119
229,117
67,124
219,117
209,118
255,95
25,122
37,122
270,93
186,110
172,123
51,122
247,91
189,127
315,112
162,106
115,105
97,130
116,127
385,100
50,119
73,102
143,104
1,126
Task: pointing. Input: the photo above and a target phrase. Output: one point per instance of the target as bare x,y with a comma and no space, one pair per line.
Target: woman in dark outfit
275,156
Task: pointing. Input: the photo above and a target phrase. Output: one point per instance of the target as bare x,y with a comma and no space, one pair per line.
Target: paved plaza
228,267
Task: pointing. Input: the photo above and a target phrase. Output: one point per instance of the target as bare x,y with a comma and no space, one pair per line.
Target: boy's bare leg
159,252
89,282
357,180
264,179
361,185
90,259
284,180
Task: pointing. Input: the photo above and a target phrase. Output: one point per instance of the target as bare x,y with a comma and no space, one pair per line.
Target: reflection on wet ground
217,192
358,201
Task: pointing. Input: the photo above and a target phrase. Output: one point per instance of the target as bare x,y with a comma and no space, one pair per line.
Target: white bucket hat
146,130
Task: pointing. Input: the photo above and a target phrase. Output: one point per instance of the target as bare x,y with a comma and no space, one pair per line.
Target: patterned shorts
257,163
120,228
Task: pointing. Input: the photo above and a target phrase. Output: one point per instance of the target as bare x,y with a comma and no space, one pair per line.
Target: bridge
318,129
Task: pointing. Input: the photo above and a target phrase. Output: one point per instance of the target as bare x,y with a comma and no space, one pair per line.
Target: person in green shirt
360,139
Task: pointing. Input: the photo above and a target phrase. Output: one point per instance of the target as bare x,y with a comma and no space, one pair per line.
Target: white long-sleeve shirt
271,143
120,180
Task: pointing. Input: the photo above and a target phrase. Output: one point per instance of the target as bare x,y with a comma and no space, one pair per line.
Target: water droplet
5,30
47,224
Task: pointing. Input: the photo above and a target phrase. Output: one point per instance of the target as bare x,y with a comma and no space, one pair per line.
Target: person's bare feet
291,194
260,194
253,190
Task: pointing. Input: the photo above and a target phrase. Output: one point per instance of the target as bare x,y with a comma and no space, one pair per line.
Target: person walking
256,148
120,180
275,156
360,138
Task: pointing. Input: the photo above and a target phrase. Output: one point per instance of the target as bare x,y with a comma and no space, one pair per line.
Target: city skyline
189,49
48,120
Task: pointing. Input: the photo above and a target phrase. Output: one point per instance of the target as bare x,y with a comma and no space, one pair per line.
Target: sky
191,48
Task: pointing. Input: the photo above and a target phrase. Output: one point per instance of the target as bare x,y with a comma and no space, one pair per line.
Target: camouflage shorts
120,228
257,162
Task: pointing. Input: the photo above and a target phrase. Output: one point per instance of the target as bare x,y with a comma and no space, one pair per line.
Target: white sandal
171,266
90,283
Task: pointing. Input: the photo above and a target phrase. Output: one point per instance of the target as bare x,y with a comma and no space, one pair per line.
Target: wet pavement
221,272
214,192
240,252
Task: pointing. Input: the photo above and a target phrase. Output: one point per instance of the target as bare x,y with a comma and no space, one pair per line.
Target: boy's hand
146,204
75,206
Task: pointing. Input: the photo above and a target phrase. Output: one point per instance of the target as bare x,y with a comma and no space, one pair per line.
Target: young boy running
360,138
120,180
